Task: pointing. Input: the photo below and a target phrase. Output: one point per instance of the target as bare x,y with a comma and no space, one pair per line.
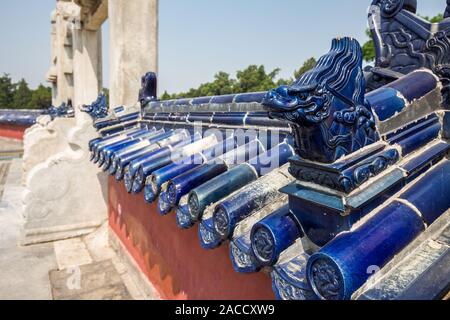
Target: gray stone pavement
98,279
78,268
23,270
4,169
10,148
10,144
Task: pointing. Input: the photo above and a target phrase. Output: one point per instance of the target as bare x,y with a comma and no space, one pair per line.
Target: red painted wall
173,259
12,131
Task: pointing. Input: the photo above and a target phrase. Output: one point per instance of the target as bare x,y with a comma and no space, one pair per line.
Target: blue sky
200,37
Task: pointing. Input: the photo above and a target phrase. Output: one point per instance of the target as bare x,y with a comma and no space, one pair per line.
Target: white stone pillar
133,47
52,74
61,70
87,62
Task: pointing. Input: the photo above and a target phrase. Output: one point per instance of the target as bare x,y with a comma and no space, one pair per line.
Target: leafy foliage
308,65
41,98
368,48
6,91
252,79
435,19
105,91
20,96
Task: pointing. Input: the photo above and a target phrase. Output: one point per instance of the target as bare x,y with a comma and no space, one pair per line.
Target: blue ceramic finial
148,93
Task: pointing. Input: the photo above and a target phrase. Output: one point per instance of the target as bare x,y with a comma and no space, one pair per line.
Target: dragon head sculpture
326,106
147,93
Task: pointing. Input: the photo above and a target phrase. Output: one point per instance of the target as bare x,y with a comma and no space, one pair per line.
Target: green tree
165,96
6,92
307,65
221,85
105,91
369,47
435,19
41,98
284,82
22,96
254,78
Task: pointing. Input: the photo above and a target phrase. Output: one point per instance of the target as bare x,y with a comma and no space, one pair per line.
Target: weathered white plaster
88,62
133,47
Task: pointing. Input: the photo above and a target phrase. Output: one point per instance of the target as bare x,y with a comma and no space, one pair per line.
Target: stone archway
66,196
76,69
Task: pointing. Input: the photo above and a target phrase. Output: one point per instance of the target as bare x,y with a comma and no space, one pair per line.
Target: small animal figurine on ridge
98,109
147,93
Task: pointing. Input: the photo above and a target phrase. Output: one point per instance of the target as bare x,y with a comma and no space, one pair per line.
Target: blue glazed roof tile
255,97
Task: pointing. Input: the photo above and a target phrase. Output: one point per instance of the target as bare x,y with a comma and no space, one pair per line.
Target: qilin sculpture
326,106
